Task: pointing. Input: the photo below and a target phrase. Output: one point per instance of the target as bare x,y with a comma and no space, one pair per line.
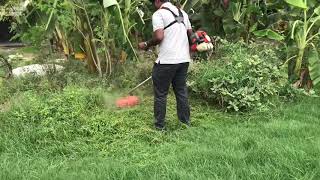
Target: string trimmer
130,101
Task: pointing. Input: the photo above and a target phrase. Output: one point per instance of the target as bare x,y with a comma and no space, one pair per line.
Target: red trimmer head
129,101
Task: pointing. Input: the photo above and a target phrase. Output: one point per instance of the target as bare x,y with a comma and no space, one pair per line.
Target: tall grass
87,141
60,127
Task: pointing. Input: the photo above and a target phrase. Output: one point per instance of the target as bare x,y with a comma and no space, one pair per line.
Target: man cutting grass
171,30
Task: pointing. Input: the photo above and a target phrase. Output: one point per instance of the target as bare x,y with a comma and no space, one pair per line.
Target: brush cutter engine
200,42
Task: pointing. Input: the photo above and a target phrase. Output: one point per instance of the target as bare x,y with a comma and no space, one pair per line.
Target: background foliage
107,33
63,125
239,78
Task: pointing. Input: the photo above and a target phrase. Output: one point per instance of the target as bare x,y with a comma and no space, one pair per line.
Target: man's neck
162,5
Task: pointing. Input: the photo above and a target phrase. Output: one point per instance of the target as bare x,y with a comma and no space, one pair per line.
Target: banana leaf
108,3
269,34
297,3
314,66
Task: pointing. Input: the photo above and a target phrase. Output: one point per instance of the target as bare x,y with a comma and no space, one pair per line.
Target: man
171,29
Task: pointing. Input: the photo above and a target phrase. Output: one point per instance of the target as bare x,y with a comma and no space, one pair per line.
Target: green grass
60,127
104,143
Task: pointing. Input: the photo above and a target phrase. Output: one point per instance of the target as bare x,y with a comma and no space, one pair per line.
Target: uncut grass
122,144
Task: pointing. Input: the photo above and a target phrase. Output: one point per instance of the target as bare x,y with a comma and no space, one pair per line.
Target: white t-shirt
174,48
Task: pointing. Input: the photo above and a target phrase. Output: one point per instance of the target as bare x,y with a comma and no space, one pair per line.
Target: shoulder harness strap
178,19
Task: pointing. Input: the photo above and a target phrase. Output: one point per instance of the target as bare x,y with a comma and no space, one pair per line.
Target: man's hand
158,36
143,46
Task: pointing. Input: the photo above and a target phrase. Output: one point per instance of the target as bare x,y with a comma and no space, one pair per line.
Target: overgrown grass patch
63,126
70,134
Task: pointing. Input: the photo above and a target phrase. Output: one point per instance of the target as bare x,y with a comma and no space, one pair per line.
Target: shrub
241,79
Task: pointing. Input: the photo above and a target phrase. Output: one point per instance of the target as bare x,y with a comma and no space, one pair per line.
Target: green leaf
189,4
315,21
312,3
314,66
297,3
51,14
275,36
253,28
269,34
294,27
108,3
260,33
229,25
218,12
317,10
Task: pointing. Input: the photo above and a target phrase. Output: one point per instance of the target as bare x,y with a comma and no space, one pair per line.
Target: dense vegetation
58,127
107,30
242,78
71,134
254,99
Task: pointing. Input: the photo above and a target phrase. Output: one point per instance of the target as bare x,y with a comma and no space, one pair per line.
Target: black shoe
186,123
160,128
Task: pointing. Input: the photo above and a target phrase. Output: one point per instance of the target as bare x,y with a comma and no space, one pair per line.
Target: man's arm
158,36
190,32
158,32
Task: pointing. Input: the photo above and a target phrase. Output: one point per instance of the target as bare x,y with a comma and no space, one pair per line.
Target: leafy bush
242,78
289,93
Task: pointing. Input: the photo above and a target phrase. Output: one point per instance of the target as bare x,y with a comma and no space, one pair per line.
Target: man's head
158,3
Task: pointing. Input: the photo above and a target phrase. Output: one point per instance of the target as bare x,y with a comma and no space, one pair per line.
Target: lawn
255,101
282,143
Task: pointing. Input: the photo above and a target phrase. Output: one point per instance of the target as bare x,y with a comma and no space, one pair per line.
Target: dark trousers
163,75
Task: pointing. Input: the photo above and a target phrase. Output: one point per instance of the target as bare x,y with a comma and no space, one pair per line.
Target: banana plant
187,5
124,22
303,31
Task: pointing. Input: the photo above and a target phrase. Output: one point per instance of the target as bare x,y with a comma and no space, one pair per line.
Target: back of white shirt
174,48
